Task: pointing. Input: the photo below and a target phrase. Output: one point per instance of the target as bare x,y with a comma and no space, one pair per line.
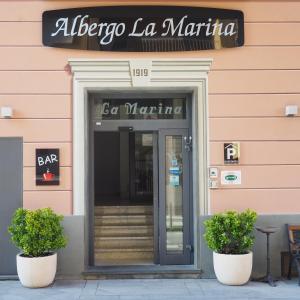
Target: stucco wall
248,89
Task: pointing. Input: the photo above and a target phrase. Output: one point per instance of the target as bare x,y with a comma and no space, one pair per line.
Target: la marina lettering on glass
130,109
143,28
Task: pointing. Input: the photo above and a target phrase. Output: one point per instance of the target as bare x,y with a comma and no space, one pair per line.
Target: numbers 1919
141,72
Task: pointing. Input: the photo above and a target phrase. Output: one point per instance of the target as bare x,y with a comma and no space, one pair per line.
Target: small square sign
213,172
47,166
174,180
231,153
147,139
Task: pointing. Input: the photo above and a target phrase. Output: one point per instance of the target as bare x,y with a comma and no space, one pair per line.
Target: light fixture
6,112
291,110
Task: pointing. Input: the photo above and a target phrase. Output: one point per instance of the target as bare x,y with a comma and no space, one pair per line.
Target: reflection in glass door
173,181
174,202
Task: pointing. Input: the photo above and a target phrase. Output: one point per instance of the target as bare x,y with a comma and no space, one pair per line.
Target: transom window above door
138,108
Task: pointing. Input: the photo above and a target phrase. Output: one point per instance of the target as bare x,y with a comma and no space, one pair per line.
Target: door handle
188,143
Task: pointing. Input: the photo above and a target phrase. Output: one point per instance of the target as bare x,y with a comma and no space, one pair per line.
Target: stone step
124,220
123,230
123,242
123,210
124,256
127,272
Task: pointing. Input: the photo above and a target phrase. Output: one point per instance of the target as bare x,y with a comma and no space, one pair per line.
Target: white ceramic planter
35,272
233,269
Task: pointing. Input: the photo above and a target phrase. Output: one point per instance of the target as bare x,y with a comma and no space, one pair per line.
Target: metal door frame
185,257
153,126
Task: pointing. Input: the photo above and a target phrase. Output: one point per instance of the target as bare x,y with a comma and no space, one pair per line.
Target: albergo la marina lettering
169,27
143,28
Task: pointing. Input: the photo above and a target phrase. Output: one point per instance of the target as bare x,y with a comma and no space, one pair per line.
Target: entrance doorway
123,172
141,179
123,167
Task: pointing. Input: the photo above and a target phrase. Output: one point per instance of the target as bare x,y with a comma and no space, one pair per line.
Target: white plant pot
233,269
36,272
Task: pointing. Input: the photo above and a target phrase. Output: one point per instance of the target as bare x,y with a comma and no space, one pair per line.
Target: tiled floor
148,289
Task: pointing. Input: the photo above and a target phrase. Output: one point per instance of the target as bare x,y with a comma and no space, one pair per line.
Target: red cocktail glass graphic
48,176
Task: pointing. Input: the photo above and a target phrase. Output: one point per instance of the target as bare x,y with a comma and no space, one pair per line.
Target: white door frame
112,75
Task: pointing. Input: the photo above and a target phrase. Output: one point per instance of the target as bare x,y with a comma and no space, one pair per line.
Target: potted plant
230,236
38,234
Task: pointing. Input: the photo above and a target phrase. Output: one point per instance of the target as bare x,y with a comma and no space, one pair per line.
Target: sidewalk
148,289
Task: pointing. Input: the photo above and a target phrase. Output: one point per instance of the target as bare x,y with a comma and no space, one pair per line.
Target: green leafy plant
37,233
230,232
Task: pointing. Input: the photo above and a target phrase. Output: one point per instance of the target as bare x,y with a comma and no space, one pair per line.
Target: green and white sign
231,177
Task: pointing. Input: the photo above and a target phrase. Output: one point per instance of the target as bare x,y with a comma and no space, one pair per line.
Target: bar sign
47,167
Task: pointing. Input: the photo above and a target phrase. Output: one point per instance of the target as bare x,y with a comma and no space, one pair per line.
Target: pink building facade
249,88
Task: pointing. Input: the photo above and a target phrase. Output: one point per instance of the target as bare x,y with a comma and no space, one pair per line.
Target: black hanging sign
143,28
47,166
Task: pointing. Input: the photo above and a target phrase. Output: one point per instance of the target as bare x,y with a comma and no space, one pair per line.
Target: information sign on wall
47,166
231,153
231,177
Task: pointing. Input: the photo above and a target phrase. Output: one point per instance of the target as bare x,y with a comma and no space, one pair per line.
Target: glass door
174,197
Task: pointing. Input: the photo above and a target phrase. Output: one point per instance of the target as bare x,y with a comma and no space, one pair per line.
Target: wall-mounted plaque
143,28
47,166
231,177
231,153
